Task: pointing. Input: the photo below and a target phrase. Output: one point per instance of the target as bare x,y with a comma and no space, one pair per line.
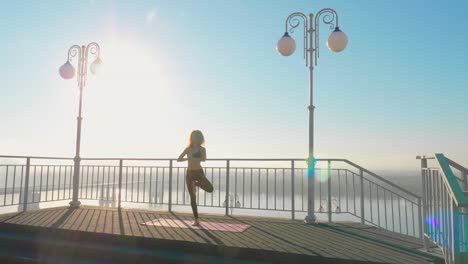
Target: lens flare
311,167
432,221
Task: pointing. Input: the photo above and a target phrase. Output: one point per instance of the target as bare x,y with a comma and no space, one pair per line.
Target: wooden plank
347,241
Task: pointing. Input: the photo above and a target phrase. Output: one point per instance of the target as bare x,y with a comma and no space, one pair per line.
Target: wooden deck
267,240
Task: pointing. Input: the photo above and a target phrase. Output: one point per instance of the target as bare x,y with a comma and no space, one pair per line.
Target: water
268,192
393,214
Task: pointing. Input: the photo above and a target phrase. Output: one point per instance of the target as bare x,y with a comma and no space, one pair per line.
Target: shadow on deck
103,235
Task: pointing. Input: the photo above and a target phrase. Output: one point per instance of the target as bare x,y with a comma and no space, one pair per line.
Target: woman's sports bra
197,154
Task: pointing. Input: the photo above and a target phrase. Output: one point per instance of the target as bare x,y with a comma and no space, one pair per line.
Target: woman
196,153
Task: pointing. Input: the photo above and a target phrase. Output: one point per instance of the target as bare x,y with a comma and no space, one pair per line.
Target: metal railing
276,187
24,183
445,206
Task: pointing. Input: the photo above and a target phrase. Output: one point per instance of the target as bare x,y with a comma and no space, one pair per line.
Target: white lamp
337,41
96,65
67,71
286,45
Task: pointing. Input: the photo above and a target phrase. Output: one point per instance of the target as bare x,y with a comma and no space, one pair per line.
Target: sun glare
129,71
131,86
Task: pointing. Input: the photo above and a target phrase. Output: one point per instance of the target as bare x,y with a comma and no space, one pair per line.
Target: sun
131,86
131,74
129,64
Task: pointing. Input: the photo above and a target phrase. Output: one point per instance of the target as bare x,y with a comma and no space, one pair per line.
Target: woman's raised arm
181,156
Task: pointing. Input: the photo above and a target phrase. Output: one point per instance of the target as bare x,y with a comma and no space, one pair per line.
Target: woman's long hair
196,137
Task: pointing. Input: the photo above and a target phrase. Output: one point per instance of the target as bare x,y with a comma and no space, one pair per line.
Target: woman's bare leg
193,198
204,183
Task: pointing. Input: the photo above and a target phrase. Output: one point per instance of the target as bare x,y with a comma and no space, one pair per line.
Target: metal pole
311,218
26,184
82,53
292,190
77,160
311,48
227,188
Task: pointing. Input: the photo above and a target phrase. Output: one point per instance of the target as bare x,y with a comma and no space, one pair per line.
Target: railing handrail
168,188
456,165
164,159
209,159
33,157
233,159
218,159
382,179
451,181
167,159
444,207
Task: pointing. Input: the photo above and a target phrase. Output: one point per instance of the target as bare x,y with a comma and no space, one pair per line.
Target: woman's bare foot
195,222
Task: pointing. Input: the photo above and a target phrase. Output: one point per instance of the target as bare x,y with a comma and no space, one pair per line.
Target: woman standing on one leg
196,153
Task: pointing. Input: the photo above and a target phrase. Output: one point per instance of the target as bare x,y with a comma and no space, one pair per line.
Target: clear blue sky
398,90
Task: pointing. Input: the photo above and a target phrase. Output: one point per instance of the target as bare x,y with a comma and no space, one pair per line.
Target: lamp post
67,71
286,46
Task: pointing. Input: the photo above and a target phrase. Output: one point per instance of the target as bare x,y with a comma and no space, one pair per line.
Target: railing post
120,183
423,204
420,220
329,192
456,231
363,216
292,190
227,187
26,184
463,216
170,187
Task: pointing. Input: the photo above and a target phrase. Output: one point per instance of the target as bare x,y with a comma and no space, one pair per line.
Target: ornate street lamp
286,46
67,71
